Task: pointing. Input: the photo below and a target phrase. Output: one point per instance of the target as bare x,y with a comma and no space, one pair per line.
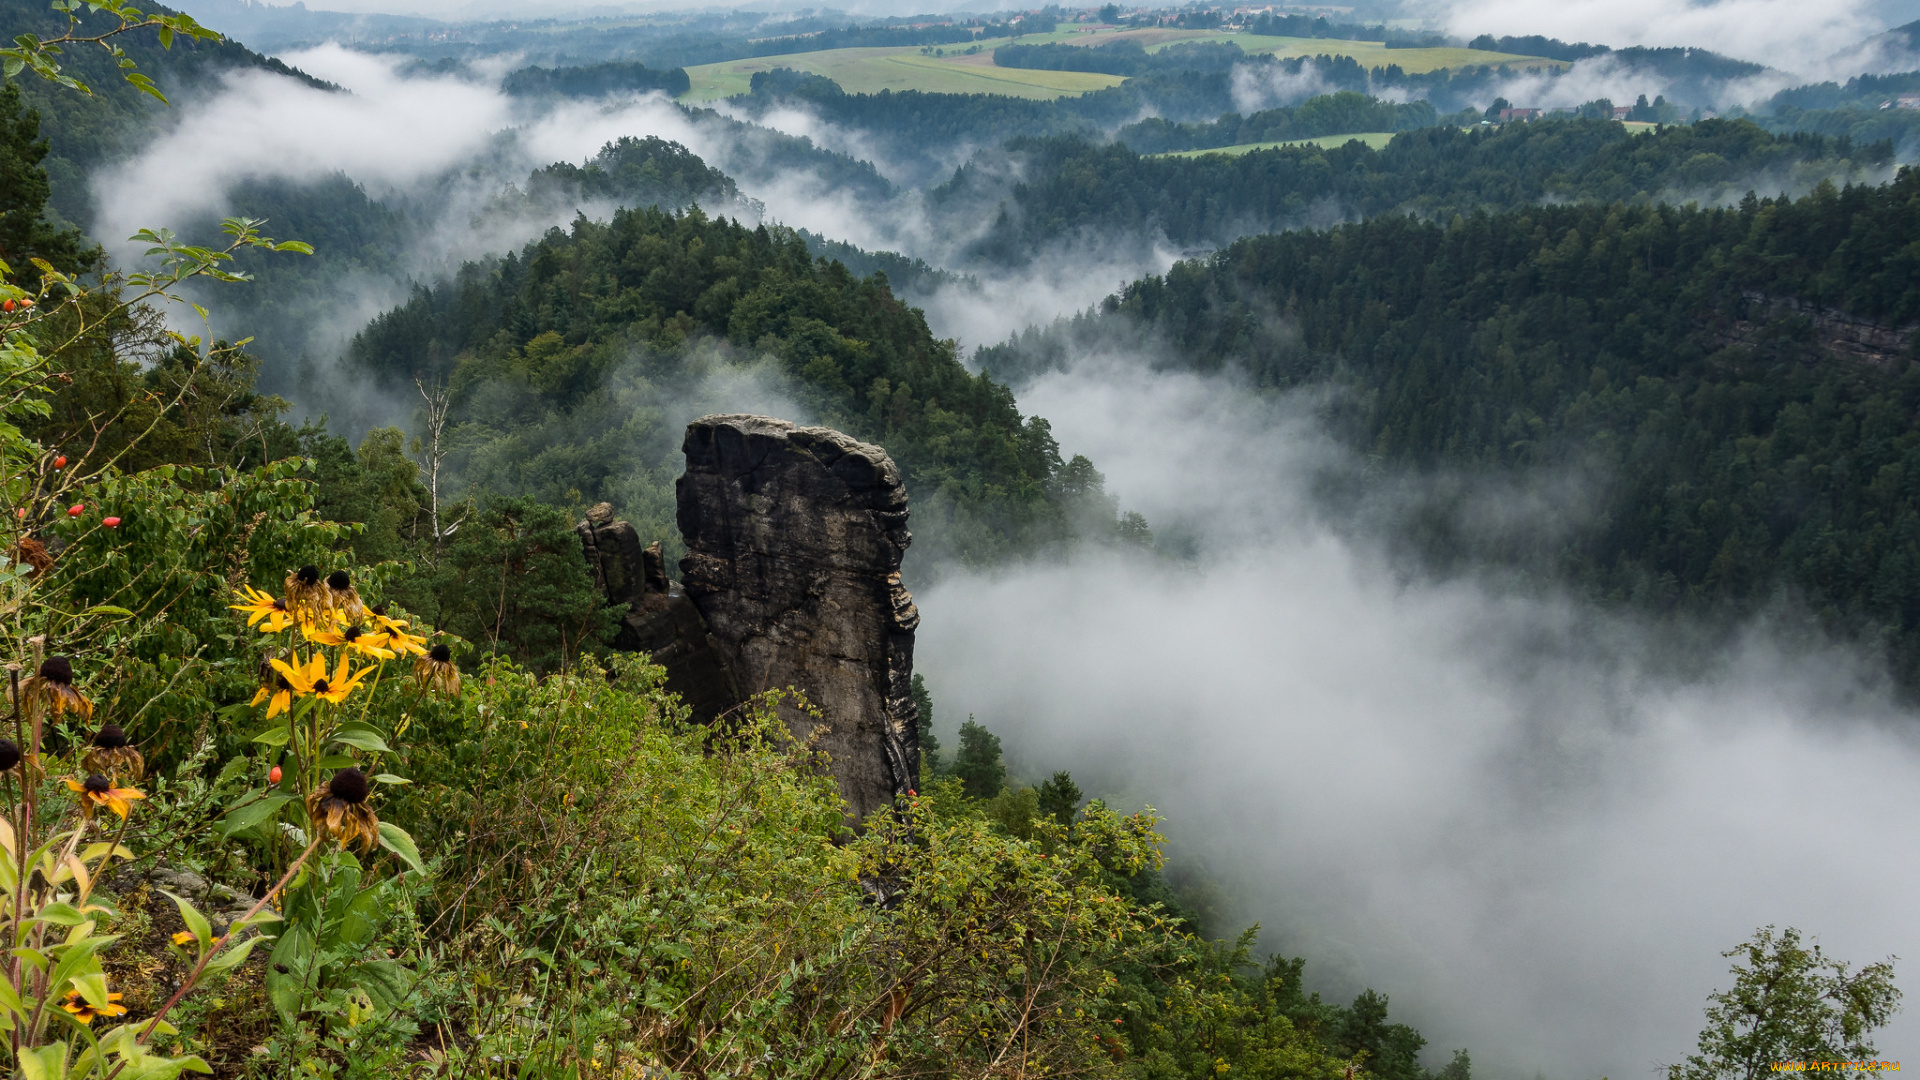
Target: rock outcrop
659,619
794,539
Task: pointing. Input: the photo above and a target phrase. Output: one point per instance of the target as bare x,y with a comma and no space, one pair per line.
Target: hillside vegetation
1684,362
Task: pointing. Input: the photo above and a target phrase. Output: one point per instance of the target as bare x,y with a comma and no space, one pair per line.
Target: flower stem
218,944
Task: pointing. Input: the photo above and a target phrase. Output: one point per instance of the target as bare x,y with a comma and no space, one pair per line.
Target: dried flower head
343,598
339,811
97,791
307,595
34,554
50,690
435,671
9,755
113,753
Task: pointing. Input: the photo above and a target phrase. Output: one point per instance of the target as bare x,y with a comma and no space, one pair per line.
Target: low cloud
1534,824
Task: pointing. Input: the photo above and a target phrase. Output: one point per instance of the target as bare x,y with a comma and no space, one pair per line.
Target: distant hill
89,131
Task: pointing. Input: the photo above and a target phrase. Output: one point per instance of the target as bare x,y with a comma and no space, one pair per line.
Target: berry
60,462
21,513
273,775
76,509
6,305
110,522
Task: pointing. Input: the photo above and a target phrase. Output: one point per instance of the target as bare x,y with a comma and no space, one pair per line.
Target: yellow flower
184,938
279,695
368,643
264,611
97,791
396,631
85,1012
312,678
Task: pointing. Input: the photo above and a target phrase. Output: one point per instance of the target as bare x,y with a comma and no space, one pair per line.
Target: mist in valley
1533,822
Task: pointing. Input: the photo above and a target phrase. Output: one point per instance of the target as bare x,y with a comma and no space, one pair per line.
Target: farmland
952,70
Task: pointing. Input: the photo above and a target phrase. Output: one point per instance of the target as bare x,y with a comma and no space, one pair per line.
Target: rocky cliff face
794,539
660,619
792,579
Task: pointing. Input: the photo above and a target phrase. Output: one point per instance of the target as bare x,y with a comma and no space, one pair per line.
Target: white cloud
1509,812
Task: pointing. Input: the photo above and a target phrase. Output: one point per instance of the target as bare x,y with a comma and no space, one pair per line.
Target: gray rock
794,538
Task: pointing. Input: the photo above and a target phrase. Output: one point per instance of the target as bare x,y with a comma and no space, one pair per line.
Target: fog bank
1505,811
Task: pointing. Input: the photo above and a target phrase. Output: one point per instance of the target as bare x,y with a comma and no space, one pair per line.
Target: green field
869,71
1374,139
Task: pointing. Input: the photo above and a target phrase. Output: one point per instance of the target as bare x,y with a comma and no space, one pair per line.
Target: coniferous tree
978,765
25,232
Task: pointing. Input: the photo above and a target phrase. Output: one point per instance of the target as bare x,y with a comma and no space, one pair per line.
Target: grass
1374,139
871,70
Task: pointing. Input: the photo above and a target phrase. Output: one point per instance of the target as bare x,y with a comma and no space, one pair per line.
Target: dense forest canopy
1699,363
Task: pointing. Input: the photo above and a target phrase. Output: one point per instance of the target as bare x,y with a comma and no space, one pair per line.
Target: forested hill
576,363
1074,185
87,131
1741,382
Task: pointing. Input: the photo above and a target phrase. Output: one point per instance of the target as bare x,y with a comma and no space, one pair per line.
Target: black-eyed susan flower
263,610
339,811
86,1012
371,644
342,595
435,671
113,753
97,791
275,690
50,690
307,595
312,677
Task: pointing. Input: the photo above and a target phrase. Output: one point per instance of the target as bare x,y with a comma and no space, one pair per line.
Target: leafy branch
31,52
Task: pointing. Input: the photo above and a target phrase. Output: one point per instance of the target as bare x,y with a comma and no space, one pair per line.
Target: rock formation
794,538
660,619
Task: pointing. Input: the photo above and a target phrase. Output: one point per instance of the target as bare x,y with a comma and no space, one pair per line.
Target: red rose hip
110,522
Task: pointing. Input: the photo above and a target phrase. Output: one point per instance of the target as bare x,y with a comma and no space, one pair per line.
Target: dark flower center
319,686
9,754
110,737
440,654
380,610
309,574
98,785
338,581
57,669
353,634
280,682
279,605
349,786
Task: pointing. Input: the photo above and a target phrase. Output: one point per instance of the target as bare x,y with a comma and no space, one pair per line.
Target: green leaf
92,987
234,956
395,839
362,737
384,981
300,246
389,778
195,921
273,736
253,814
337,761
60,914
108,609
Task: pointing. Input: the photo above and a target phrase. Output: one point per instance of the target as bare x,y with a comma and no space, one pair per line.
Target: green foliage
25,233
594,80
1075,186
514,582
977,764
1344,113
1059,797
568,362
929,745
1658,349
1789,1003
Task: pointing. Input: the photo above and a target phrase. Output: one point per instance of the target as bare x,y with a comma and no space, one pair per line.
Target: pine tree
25,233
